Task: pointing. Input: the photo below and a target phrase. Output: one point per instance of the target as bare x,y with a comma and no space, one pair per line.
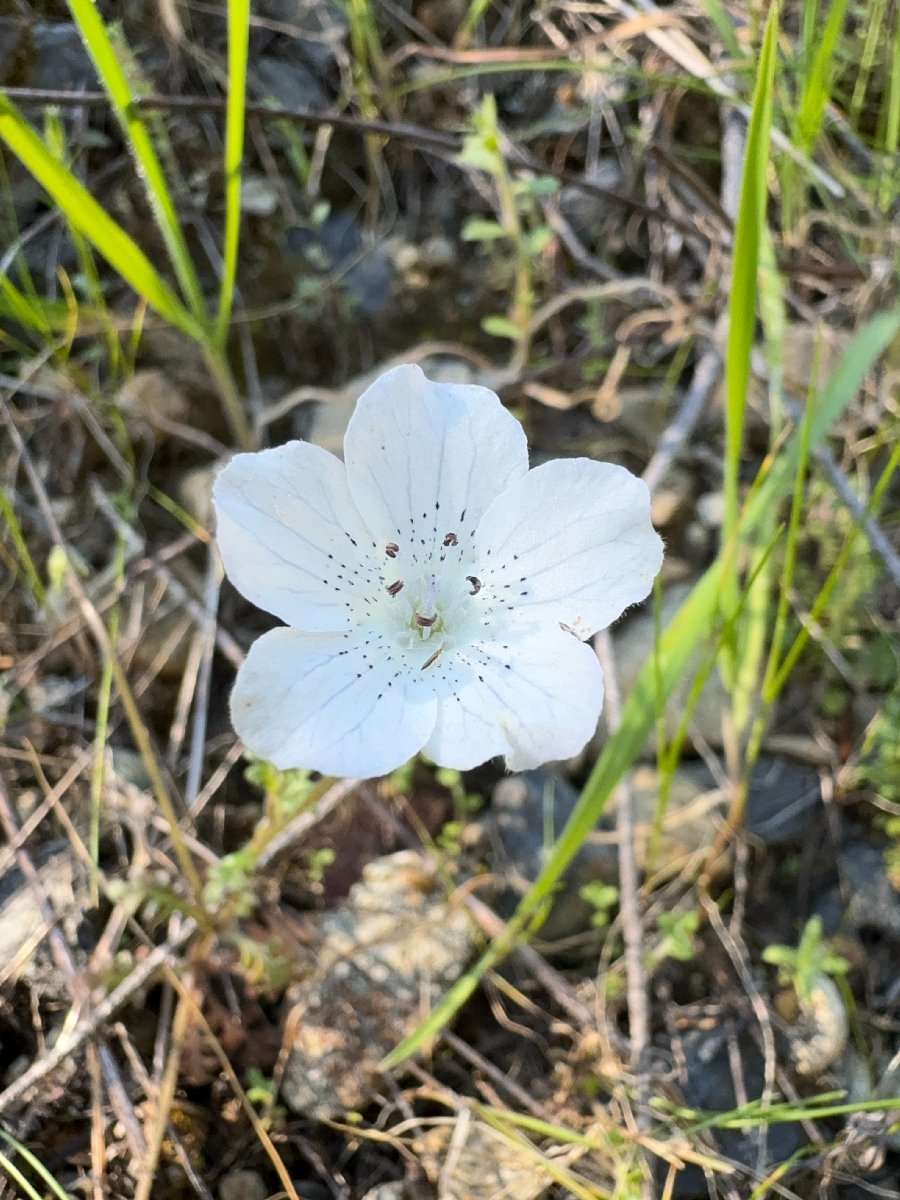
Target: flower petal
334,703
292,539
532,699
425,459
571,543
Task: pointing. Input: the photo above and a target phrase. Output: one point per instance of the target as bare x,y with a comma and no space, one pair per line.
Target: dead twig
75,980
706,378
156,102
629,902
91,618
93,1020
878,539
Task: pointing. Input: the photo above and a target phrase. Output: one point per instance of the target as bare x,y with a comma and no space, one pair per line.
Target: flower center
430,604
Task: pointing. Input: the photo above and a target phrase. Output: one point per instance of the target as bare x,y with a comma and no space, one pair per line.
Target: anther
476,584
437,654
450,539
425,622
394,588
392,549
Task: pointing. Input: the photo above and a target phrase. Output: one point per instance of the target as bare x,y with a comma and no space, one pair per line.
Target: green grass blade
91,219
788,570
725,27
91,286
474,14
676,647
28,570
817,84
752,630
36,1165
660,675
238,40
102,51
833,578
844,382
889,125
751,221
18,307
26,1190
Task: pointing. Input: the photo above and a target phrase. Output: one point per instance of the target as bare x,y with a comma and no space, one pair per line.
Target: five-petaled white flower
437,592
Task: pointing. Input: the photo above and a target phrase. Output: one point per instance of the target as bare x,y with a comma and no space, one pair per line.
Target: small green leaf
538,240
481,229
481,147
538,185
498,326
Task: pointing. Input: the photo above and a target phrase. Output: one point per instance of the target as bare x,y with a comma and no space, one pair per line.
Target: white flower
436,592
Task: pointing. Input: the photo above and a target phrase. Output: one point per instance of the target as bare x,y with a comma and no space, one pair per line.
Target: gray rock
718,1067
288,84
320,26
671,500
42,54
24,954
529,810
711,509
393,1190
527,815
819,1036
782,801
380,960
243,1185
873,901
633,645
481,1165
695,809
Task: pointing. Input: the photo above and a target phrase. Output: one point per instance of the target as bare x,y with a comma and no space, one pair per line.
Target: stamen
425,622
451,539
392,549
437,654
476,584
394,588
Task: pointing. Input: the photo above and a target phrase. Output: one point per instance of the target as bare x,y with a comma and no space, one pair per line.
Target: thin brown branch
67,1044
629,901
157,102
92,620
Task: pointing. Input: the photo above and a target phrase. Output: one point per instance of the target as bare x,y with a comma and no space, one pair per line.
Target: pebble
873,902
194,492
289,83
783,800
395,1189
151,396
243,1185
382,960
719,1067
671,499
51,54
24,955
527,813
259,197
319,29
481,1163
633,646
529,810
711,510
819,1036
